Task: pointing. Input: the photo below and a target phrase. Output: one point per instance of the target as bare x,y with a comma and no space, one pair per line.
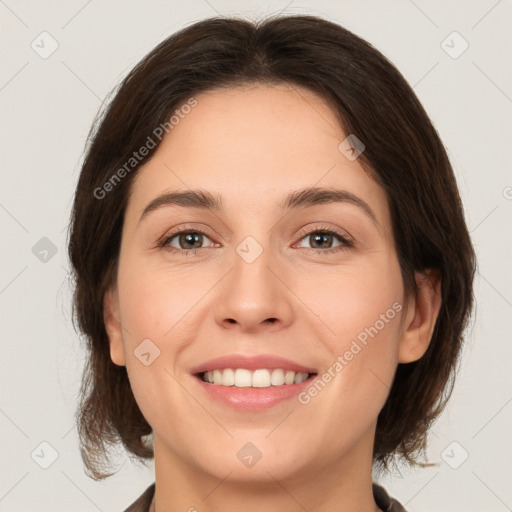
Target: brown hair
404,154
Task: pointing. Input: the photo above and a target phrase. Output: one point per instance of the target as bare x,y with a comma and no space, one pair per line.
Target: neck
345,484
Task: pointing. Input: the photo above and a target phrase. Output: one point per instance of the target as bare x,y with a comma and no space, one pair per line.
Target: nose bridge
252,294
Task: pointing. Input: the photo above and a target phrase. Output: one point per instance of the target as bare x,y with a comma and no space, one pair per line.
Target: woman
273,271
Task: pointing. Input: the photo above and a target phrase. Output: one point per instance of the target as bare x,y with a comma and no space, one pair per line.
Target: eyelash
346,243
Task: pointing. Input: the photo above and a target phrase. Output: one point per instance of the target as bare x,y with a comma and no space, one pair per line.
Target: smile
260,378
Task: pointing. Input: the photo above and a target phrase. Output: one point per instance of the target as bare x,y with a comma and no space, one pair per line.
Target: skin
253,146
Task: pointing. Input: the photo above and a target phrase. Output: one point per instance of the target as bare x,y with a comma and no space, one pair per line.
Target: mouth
259,378
251,382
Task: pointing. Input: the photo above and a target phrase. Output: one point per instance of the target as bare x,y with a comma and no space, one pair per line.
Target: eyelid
183,228
327,229
346,239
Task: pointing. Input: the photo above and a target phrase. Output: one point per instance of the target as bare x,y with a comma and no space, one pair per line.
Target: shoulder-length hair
403,153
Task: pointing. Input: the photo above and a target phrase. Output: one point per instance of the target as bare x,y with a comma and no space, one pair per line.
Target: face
270,280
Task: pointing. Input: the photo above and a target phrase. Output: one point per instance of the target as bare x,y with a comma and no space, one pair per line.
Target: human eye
189,241
324,236
184,241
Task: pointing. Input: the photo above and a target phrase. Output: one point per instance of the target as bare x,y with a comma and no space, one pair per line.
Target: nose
254,296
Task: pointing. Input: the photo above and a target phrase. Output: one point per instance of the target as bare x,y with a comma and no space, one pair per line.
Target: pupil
319,237
189,238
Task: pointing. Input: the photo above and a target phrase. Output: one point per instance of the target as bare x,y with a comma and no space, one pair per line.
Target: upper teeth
242,378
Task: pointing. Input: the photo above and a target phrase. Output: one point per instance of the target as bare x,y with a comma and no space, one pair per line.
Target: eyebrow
304,198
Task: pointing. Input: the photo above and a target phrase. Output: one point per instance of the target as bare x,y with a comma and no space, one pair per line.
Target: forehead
252,145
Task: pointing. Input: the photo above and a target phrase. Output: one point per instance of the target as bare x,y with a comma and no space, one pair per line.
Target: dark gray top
383,500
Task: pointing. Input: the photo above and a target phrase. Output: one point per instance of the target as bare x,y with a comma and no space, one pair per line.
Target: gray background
47,107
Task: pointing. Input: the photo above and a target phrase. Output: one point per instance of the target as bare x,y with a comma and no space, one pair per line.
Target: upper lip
253,362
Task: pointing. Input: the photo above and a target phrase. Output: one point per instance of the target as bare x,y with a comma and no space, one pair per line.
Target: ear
113,326
420,317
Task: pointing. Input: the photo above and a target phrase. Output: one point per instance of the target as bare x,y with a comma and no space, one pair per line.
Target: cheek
361,309
350,301
158,304
154,306
155,300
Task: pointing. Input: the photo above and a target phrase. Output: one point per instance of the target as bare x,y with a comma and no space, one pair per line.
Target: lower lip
253,399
